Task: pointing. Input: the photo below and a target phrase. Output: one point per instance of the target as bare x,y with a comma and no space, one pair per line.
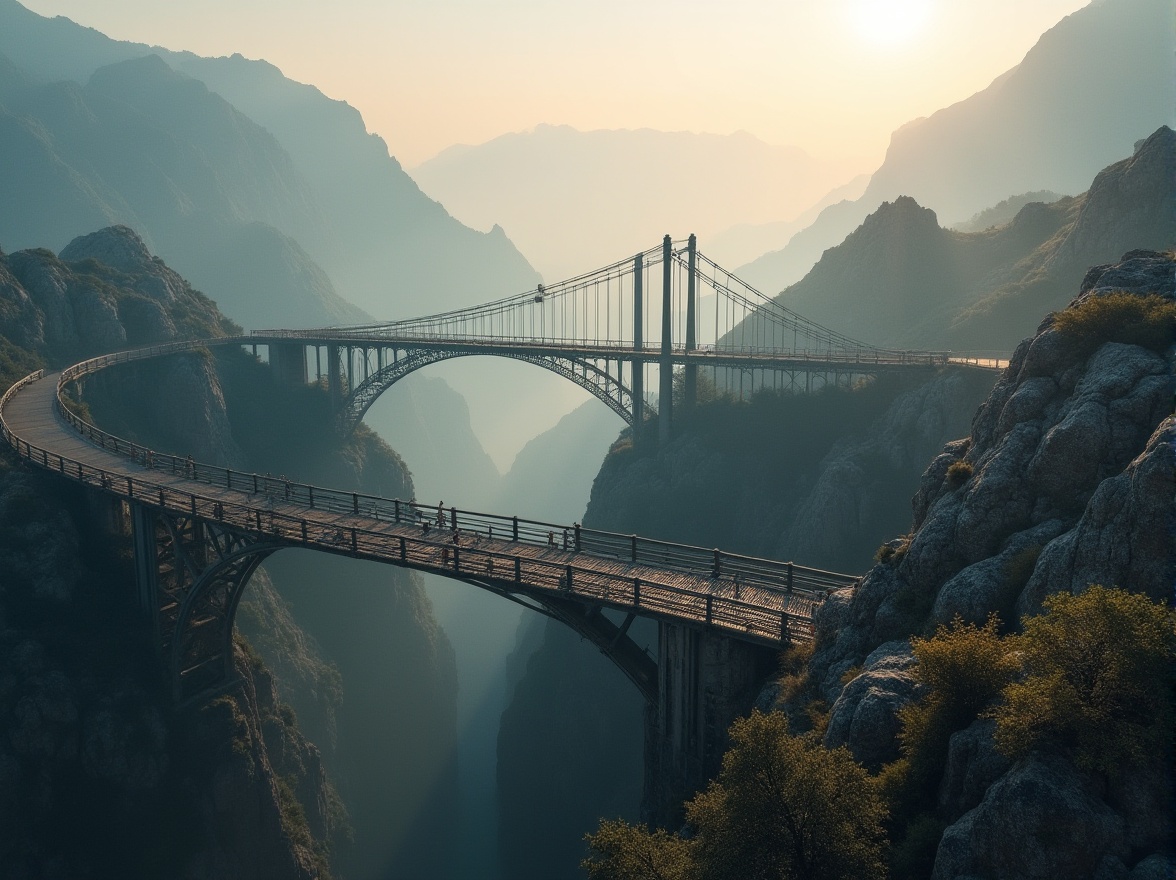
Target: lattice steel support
190,576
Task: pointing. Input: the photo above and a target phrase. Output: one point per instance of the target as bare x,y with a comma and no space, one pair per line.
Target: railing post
228,479
310,495
403,549
518,570
305,538
130,488
396,510
453,519
255,484
710,602
515,528
717,568
789,577
568,574
633,547
636,592
257,516
576,526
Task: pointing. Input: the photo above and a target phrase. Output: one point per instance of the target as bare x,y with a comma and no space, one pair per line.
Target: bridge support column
334,379
705,681
690,377
288,361
638,384
665,397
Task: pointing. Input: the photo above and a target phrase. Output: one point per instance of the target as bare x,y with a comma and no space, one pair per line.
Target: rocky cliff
237,790
1066,480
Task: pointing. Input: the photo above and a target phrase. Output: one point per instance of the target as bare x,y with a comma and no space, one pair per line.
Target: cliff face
1066,480
232,788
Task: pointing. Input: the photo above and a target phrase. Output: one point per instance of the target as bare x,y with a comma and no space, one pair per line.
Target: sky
834,77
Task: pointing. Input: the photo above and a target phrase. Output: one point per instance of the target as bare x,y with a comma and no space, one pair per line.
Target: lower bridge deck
758,601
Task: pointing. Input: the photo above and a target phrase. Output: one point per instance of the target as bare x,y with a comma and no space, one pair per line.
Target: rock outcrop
1066,480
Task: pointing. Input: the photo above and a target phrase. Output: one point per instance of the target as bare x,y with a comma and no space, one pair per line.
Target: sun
889,22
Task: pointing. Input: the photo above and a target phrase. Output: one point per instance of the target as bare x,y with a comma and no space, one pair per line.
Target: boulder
1037,822
865,716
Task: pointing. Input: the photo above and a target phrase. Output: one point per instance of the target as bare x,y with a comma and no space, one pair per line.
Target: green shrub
1149,321
1098,682
964,667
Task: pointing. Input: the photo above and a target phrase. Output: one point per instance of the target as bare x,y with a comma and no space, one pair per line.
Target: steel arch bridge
609,333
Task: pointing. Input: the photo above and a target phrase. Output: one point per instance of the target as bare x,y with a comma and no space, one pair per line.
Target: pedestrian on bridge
440,514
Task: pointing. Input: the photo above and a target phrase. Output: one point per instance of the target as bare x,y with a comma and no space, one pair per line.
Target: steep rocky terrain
1066,480
901,280
818,479
1029,130
232,789
100,775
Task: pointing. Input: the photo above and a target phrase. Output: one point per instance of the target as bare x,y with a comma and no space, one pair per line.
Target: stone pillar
288,361
705,682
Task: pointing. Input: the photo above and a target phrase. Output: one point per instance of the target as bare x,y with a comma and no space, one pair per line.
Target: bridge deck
745,610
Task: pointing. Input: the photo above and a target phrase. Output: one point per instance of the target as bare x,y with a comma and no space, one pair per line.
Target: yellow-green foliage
782,806
1098,682
632,852
959,473
964,667
1149,321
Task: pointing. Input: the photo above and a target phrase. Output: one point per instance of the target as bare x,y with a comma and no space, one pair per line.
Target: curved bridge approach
200,531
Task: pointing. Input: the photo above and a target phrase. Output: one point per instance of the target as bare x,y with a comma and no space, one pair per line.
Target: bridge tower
690,383
665,371
638,344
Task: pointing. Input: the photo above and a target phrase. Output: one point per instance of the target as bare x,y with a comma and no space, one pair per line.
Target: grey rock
973,764
865,716
991,584
1155,867
1037,821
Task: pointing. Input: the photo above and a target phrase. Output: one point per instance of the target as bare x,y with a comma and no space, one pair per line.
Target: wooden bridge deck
471,547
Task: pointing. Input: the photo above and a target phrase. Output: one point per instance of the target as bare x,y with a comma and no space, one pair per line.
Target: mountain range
269,196
1094,84
901,280
573,200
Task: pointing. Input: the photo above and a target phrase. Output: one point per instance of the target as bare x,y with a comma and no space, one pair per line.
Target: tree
786,807
782,808
630,852
1098,682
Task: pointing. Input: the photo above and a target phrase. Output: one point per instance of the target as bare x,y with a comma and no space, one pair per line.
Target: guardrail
457,533
785,577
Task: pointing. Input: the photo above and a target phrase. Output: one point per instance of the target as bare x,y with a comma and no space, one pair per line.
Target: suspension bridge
200,531
666,310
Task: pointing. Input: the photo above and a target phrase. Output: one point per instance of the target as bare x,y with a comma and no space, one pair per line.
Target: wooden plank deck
743,611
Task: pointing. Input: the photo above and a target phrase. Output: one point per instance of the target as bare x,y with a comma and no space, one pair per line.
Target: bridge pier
705,681
288,362
189,575
334,379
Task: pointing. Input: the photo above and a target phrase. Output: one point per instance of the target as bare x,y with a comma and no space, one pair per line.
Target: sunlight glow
889,22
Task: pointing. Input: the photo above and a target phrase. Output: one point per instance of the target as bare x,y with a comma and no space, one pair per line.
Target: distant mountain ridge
900,280
1093,84
575,199
341,207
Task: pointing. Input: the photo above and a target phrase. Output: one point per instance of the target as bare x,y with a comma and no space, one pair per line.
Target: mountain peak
117,246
